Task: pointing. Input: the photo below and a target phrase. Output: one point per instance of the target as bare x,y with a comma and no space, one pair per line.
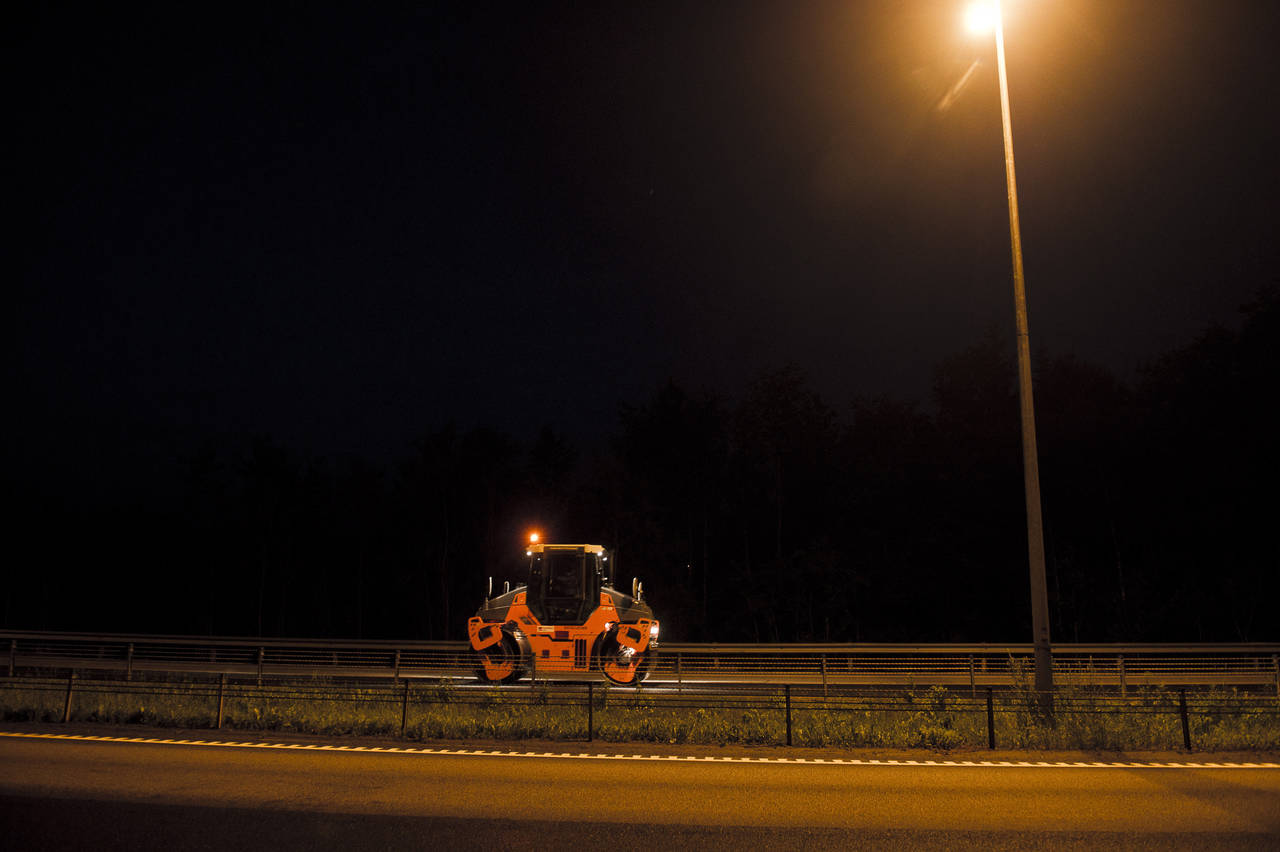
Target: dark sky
345,228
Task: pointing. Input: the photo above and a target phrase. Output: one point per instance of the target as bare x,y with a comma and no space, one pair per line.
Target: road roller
566,621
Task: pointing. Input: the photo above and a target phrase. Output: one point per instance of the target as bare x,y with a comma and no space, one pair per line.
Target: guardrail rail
862,664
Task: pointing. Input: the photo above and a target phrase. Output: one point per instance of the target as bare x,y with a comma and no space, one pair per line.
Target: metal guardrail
861,664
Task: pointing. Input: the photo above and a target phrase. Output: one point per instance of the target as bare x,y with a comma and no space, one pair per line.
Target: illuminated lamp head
534,537
982,17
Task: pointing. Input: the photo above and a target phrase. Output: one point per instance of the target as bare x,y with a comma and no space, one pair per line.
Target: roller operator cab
567,619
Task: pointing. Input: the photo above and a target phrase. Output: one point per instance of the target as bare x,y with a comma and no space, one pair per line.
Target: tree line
775,516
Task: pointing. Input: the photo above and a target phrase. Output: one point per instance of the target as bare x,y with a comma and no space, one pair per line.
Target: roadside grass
935,719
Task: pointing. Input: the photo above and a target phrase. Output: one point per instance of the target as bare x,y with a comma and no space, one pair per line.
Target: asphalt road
57,794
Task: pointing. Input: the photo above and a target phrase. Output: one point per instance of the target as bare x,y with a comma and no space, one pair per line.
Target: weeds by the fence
934,718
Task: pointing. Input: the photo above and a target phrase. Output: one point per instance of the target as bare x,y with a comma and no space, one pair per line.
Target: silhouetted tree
771,517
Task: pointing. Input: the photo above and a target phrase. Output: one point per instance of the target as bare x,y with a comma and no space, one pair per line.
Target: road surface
69,793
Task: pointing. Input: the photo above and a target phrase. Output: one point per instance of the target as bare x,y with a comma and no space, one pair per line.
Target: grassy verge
933,719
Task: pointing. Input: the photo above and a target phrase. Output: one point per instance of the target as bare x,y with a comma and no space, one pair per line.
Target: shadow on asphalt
36,824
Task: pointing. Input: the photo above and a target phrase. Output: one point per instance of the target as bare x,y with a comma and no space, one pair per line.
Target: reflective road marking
470,752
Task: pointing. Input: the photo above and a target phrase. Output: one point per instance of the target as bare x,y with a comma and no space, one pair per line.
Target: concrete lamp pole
989,16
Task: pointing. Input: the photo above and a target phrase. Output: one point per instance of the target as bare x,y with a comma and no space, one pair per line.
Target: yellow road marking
814,761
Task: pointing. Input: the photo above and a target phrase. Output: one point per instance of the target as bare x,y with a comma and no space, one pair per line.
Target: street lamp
985,17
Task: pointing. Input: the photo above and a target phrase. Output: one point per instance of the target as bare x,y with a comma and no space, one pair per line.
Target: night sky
341,229
329,305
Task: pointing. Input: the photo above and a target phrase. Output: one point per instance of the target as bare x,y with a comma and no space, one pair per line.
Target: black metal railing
782,713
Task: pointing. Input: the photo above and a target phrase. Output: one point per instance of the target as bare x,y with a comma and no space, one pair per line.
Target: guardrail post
1275,666
222,685
823,659
404,704
66,708
1182,710
991,720
680,677
973,678
128,663
262,655
788,694
1123,686
13,656
396,675
591,710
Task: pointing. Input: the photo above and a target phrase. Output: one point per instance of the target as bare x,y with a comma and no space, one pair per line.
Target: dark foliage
774,517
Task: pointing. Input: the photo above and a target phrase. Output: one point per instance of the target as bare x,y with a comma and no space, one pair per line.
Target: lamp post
989,16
